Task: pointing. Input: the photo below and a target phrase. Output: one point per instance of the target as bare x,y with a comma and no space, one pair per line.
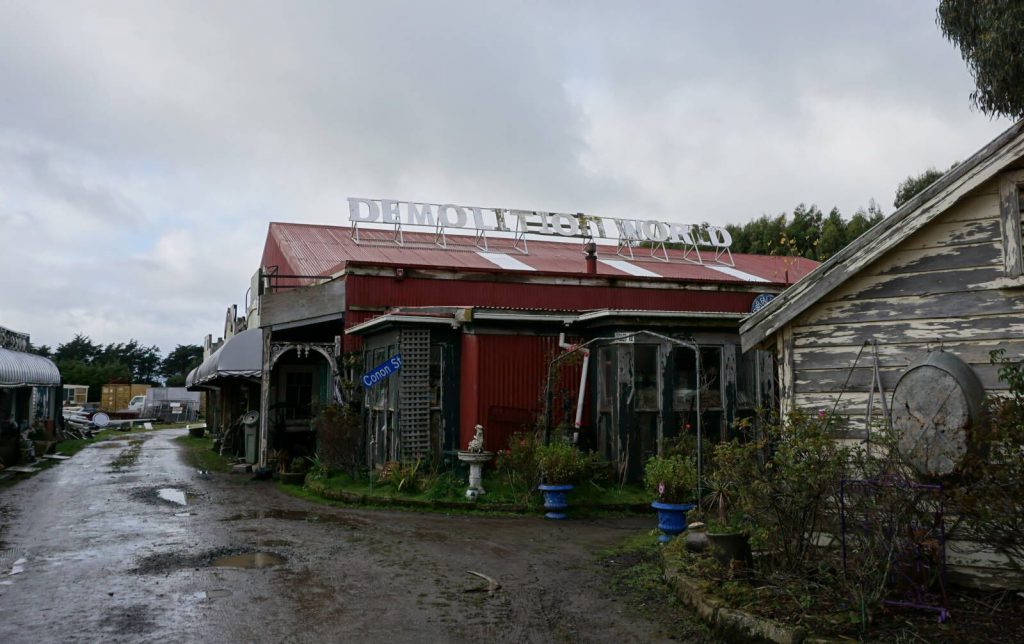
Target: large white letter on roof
720,237
357,215
423,216
389,211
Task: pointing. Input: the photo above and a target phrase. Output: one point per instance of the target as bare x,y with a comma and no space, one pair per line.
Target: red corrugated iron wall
502,381
352,343
387,291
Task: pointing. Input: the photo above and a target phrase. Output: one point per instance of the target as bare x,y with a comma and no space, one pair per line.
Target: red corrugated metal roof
310,249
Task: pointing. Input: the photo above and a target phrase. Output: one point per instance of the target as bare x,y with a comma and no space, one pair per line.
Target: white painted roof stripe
626,267
728,270
506,261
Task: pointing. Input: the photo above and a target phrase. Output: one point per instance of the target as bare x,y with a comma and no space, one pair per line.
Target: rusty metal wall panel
509,387
366,290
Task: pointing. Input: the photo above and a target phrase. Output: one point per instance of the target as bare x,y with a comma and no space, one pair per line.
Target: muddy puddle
249,560
244,558
299,515
178,497
173,495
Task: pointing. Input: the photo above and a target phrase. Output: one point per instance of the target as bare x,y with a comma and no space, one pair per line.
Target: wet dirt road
102,549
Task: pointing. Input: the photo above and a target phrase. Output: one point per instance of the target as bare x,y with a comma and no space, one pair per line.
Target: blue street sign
382,371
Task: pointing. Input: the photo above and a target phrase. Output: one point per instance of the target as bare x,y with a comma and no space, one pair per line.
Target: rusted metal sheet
301,249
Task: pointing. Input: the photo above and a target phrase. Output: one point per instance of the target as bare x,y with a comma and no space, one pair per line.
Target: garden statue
475,455
476,444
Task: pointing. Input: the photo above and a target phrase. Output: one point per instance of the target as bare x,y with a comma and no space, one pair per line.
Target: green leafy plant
784,486
672,479
339,434
726,493
560,463
318,470
518,463
298,465
404,477
445,485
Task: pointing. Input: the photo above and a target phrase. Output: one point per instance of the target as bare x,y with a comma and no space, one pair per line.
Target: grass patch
198,452
445,491
634,574
128,457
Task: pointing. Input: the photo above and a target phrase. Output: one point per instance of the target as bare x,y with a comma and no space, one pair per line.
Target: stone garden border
733,622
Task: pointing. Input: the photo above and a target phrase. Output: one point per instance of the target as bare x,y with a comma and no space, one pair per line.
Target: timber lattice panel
414,394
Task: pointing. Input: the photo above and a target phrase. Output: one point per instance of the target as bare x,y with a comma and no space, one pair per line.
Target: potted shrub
672,479
560,465
733,468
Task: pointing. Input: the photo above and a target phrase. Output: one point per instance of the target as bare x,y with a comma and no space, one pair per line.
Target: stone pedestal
476,462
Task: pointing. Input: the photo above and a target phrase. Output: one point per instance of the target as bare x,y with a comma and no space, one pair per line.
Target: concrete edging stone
732,621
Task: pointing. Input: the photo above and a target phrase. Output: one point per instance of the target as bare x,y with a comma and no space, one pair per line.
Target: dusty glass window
711,377
684,389
646,376
746,379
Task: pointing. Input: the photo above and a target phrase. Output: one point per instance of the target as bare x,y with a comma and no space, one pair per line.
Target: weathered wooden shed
936,286
944,272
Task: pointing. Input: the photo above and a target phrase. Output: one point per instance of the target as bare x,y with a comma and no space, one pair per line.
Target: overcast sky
145,146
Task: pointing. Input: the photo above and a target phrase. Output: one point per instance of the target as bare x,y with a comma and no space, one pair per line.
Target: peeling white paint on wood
937,330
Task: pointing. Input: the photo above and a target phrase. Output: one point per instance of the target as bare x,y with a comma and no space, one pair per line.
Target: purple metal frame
920,546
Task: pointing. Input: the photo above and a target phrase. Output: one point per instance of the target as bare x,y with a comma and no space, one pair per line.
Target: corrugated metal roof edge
585,275
339,267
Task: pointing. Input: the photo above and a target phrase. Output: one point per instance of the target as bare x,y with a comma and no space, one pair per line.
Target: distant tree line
807,232
84,362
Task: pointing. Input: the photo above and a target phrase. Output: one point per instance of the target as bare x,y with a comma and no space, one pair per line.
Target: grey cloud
200,122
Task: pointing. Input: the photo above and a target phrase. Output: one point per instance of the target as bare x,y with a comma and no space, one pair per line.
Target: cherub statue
476,444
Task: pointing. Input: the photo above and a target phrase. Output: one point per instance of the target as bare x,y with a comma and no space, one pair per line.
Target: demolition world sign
474,218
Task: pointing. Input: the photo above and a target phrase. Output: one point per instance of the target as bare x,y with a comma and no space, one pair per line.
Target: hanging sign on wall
382,371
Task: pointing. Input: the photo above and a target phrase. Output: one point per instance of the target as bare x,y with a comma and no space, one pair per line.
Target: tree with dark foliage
912,185
989,34
177,364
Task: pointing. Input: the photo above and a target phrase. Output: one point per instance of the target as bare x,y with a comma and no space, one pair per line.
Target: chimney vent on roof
590,248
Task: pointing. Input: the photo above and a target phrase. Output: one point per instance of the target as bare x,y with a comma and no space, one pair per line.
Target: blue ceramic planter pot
671,518
554,500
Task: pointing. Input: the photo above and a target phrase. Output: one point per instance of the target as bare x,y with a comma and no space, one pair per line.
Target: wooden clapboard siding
943,287
933,331
914,307
859,379
901,354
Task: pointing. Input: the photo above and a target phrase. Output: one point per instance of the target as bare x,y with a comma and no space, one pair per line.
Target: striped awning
18,369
